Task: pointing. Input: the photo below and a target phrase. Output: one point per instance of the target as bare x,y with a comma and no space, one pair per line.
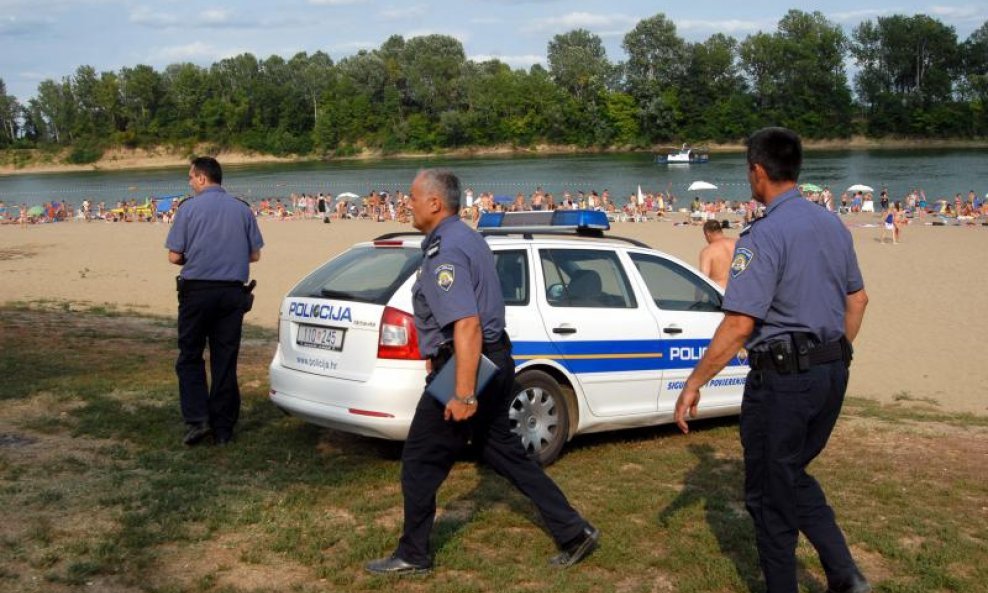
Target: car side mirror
555,292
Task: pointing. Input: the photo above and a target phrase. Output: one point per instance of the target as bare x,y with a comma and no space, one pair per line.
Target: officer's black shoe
195,433
393,565
856,584
222,439
578,549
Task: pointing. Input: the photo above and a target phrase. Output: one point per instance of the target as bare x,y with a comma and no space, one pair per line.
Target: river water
941,173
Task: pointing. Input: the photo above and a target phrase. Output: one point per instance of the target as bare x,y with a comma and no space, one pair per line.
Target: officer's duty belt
445,351
797,355
199,284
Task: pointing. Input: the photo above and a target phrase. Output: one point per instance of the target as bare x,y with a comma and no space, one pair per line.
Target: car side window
586,278
673,287
512,271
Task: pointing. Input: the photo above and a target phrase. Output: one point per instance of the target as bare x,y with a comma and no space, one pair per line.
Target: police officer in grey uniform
459,314
795,300
215,238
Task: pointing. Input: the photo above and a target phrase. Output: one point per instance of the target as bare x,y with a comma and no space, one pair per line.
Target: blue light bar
545,221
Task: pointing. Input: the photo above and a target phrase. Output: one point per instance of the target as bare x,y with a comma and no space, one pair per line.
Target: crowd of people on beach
637,207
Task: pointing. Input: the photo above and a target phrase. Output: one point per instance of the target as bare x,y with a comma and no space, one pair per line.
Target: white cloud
486,20
196,51
522,61
15,26
207,19
582,20
35,76
960,13
726,26
401,13
859,15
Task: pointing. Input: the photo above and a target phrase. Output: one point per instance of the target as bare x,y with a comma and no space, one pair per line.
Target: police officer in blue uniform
214,237
795,300
459,314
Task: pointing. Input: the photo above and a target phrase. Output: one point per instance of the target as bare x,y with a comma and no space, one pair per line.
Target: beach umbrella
698,185
35,211
811,187
860,187
347,195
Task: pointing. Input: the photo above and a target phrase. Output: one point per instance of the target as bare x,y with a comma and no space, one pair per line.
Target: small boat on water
686,155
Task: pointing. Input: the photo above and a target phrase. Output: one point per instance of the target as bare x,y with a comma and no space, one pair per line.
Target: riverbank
36,161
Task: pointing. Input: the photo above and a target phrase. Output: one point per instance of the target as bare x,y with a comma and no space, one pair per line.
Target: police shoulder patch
742,259
445,276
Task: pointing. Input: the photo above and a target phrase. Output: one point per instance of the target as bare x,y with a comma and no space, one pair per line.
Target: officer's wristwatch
470,400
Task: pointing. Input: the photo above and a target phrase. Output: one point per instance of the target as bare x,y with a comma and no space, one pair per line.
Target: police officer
459,314
795,300
214,238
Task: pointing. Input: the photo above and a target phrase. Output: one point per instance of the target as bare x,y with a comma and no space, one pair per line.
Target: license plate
327,338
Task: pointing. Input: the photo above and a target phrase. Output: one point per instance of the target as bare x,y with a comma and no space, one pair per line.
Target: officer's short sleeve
447,283
855,281
178,233
754,276
253,232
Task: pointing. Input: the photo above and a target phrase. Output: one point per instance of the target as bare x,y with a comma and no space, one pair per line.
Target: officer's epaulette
245,202
747,227
184,200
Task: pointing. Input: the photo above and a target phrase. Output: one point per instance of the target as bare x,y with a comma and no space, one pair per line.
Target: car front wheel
539,415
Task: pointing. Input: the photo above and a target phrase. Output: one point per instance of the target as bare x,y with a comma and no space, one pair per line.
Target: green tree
141,92
798,76
54,108
10,111
432,66
578,63
908,67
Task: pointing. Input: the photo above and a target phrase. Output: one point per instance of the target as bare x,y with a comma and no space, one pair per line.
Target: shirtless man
715,258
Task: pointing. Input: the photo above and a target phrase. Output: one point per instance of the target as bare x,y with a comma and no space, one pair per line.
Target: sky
42,39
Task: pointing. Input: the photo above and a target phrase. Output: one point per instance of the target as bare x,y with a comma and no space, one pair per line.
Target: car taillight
398,338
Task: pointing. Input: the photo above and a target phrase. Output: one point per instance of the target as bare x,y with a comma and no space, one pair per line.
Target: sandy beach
922,337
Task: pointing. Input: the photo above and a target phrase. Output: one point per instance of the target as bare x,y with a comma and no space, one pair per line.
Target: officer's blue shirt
217,233
792,271
457,279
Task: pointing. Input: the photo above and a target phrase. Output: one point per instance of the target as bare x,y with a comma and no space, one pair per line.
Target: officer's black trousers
786,421
433,445
216,315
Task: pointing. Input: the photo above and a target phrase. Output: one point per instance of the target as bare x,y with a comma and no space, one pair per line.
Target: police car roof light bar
589,222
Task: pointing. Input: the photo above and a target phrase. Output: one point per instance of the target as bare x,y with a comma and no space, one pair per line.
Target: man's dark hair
712,227
778,150
444,183
209,167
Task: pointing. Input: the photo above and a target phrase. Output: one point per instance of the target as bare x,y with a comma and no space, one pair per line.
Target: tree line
912,77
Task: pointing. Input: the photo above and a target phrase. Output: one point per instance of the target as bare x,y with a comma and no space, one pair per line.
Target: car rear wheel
539,415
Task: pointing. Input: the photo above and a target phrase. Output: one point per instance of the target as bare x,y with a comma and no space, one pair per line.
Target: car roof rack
582,223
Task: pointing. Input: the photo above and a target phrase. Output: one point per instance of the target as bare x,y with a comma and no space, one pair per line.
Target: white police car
605,333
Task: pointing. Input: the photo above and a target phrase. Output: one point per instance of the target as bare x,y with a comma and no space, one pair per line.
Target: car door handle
564,330
672,330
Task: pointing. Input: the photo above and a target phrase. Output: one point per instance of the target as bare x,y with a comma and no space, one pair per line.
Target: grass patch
97,493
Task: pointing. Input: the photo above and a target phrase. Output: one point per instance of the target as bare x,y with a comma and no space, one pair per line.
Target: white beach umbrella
860,187
347,196
697,185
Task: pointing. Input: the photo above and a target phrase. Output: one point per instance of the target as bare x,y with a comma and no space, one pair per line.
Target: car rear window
363,274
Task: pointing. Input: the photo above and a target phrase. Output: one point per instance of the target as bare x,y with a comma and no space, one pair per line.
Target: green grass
97,493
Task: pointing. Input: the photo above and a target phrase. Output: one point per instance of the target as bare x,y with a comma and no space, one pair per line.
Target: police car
605,332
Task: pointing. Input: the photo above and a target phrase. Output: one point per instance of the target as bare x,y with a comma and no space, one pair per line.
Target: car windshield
363,274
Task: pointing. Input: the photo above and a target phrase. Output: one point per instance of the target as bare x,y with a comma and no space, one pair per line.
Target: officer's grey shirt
792,271
457,279
217,233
